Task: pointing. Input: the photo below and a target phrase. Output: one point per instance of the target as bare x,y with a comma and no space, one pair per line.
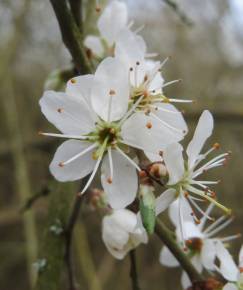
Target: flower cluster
119,125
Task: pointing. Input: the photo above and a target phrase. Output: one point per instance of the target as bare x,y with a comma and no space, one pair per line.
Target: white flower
202,246
237,279
183,174
121,232
93,113
146,82
113,20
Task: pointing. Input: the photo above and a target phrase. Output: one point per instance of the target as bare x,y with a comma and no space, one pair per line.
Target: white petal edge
123,189
76,169
203,131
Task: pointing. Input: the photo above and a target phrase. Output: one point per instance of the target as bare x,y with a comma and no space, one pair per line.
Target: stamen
93,146
127,115
139,29
166,124
181,219
204,219
171,83
219,228
180,101
73,81
92,175
101,153
215,224
210,199
149,125
60,110
79,137
128,158
111,94
110,164
164,110
230,238
199,209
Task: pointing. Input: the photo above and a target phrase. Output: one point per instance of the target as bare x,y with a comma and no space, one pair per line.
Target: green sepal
147,208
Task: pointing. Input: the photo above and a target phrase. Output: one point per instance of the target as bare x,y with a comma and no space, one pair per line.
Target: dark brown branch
167,238
133,270
174,6
76,9
71,36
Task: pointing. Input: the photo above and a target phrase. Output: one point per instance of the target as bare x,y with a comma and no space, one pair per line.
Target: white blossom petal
166,258
113,19
227,266
123,189
95,45
230,286
131,48
174,162
190,231
164,200
208,254
69,114
110,91
173,117
76,169
202,133
241,257
140,128
174,211
80,87
185,281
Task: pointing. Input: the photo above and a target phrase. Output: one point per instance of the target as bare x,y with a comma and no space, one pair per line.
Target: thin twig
133,270
31,200
165,236
71,36
174,6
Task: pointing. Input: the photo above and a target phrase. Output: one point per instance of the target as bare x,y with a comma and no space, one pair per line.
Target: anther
131,69
147,112
109,180
186,194
61,164
161,153
145,78
142,174
216,145
94,156
112,92
112,131
145,93
241,269
149,125
137,63
40,133
60,110
98,9
153,91
73,81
